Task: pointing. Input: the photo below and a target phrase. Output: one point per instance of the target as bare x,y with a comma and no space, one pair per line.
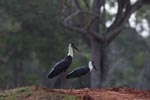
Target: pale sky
143,28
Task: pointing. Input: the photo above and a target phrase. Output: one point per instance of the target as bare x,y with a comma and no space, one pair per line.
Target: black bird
78,72
63,65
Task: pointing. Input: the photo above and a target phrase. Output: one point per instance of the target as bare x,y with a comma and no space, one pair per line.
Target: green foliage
32,39
23,89
145,11
31,35
25,92
128,59
14,94
69,98
139,59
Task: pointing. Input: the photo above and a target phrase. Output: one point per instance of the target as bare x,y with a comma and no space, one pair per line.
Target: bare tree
88,18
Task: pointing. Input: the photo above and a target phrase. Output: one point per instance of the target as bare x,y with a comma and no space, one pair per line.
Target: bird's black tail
50,75
68,77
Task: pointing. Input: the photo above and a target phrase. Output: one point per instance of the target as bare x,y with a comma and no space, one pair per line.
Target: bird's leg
76,84
60,81
71,89
63,80
80,81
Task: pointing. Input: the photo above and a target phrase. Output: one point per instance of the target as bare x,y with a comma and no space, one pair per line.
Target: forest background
33,38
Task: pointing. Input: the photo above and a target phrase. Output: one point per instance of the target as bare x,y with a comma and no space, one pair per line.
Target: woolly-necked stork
78,72
63,65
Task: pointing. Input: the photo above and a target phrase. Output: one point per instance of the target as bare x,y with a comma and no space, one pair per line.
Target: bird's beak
75,48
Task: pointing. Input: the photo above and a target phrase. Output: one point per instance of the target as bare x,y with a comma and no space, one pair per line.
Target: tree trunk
18,76
17,69
95,76
94,30
100,57
104,62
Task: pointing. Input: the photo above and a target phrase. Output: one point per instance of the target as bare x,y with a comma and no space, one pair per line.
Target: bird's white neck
90,66
70,51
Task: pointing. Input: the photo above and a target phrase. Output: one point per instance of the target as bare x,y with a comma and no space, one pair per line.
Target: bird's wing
78,72
58,68
63,64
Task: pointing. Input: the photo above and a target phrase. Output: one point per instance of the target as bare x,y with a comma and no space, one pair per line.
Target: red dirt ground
117,93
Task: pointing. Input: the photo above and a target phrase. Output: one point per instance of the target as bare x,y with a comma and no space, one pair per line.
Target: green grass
25,92
68,97
14,93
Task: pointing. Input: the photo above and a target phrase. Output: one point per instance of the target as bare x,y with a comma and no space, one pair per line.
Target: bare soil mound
41,93
117,93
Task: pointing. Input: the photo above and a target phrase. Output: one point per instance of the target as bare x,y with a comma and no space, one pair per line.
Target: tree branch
77,4
81,30
89,25
96,36
70,26
118,15
79,12
87,4
114,32
71,16
103,18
